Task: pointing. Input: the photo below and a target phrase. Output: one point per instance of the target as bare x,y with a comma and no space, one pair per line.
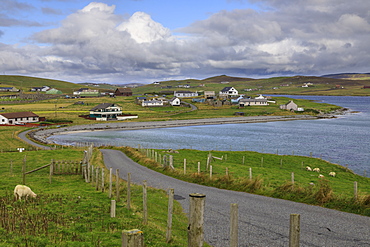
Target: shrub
324,193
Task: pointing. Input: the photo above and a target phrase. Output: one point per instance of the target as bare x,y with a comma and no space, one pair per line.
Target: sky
124,41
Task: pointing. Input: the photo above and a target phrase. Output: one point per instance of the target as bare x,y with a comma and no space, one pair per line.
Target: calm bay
344,140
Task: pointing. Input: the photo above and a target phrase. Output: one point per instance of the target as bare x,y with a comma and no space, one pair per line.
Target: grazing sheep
23,191
316,169
332,174
321,176
308,168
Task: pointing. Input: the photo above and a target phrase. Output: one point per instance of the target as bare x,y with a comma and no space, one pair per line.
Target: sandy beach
41,135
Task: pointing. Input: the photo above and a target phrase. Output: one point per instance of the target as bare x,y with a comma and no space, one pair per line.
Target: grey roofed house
290,106
103,106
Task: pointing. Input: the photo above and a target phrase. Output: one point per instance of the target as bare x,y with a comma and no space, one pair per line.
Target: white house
175,101
185,94
251,102
260,97
150,103
40,89
108,111
18,118
228,91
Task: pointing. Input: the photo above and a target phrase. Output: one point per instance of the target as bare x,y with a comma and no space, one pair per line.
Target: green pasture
70,212
271,176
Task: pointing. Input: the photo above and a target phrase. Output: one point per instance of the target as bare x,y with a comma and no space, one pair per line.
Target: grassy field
70,212
271,176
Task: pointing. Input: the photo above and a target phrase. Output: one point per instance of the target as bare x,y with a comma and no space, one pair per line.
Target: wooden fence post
234,225
292,176
355,188
145,203
102,180
24,170
169,216
117,185
110,182
132,238
51,171
112,208
261,161
11,167
196,220
227,171
250,173
294,232
97,178
184,166
198,167
128,191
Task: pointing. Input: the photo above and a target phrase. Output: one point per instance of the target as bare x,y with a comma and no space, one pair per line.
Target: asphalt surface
263,221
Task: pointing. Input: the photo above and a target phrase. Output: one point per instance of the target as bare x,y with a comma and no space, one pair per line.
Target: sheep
23,191
321,176
308,168
316,169
332,174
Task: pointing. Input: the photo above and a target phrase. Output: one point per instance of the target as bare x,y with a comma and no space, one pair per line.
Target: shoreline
42,135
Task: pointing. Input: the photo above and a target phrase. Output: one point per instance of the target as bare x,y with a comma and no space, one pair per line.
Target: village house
40,89
252,102
175,101
108,111
9,89
185,94
208,94
86,92
14,118
228,91
123,92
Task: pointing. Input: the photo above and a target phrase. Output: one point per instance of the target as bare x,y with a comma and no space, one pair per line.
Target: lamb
308,168
321,176
23,191
332,174
316,169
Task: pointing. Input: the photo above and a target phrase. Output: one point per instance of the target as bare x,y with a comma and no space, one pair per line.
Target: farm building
290,106
123,92
18,118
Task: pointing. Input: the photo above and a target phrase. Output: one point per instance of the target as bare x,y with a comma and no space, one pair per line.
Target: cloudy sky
121,41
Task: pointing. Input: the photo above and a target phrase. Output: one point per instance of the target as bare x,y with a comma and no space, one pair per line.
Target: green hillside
25,83
343,84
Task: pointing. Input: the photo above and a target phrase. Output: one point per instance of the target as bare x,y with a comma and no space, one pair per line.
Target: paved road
23,136
263,221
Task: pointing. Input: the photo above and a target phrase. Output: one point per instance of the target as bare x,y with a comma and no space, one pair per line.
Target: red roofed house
14,118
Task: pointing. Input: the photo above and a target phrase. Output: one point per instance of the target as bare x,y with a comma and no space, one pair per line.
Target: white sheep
321,176
332,174
316,169
23,191
308,168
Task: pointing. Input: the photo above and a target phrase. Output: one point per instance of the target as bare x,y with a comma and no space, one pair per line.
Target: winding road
263,221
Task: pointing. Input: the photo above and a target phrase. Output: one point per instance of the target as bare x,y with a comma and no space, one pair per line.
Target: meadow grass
271,176
70,212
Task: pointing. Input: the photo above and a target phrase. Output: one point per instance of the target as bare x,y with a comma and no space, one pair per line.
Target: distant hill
349,76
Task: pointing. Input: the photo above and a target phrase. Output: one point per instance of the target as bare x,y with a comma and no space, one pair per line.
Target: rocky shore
42,135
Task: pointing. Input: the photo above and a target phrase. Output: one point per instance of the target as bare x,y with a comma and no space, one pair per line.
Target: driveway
263,221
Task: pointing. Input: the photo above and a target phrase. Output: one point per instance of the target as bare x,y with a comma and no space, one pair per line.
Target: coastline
42,135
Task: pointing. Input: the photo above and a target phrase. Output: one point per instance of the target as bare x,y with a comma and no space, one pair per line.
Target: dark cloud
282,38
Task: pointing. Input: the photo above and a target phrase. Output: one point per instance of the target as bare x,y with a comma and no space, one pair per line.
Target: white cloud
143,29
